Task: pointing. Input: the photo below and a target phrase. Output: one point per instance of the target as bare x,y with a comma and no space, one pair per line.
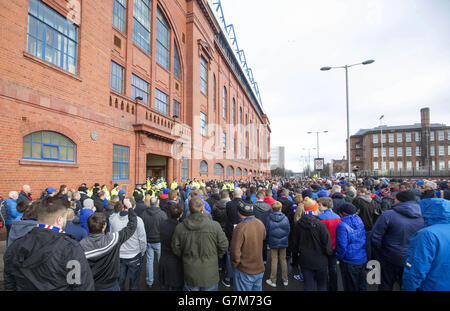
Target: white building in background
277,158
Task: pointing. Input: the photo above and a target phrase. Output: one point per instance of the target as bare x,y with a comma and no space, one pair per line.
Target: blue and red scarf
50,228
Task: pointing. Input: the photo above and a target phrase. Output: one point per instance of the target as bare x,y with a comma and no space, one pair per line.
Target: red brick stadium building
114,91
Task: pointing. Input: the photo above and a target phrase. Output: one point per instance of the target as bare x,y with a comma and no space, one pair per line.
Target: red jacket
331,220
269,200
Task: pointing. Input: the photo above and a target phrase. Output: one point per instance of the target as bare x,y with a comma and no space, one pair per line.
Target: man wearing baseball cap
246,244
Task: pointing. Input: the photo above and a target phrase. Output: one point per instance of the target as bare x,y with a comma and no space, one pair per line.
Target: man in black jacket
47,258
153,217
103,250
262,210
313,244
232,212
365,208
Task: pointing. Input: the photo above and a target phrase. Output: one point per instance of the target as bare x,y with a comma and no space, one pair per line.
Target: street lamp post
367,62
317,133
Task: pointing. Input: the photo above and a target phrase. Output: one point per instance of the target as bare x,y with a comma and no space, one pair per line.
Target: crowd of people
198,234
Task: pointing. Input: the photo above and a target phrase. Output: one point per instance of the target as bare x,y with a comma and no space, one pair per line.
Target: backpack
3,213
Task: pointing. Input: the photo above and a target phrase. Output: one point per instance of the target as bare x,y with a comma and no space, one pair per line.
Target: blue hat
420,182
166,190
121,191
343,182
323,193
51,190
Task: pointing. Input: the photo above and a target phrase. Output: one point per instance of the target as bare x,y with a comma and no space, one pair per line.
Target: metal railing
405,173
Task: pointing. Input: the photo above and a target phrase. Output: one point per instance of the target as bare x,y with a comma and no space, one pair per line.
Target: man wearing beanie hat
391,234
312,244
351,248
245,251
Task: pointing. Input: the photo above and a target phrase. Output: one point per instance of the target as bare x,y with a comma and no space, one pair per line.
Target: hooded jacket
84,215
331,220
351,240
41,260
394,228
153,217
261,210
312,242
200,242
277,228
24,197
20,228
427,266
365,209
103,253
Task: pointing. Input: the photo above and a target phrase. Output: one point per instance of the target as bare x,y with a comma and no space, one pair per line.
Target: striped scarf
50,228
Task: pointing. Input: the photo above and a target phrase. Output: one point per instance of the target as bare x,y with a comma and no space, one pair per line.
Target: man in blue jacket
391,234
427,266
13,214
351,248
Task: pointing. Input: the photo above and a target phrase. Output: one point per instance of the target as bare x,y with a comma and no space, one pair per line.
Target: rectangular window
383,138
408,137
433,165
224,140
408,151
391,165
399,151
176,109
417,134
391,152
203,124
417,164
391,138
448,136
232,144
431,136
448,151
119,14
161,101
400,137
375,138
121,157
441,150
117,73
162,40
408,165
383,166
384,152
441,135
375,152
141,24
203,76
441,165
417,151
52,37
432,151
140,88
184,168
375,165
399,165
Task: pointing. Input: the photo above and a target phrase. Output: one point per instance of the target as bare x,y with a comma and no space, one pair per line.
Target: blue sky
286,42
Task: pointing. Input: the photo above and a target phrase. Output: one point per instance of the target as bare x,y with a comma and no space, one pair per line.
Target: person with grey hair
429,188
25,194
13,214
337,197
153,217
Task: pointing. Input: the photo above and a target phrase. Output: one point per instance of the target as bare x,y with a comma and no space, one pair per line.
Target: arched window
176,62
230,171
162,40
238,171
245,172
218,169
203,167
49,146
240,115
224,103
